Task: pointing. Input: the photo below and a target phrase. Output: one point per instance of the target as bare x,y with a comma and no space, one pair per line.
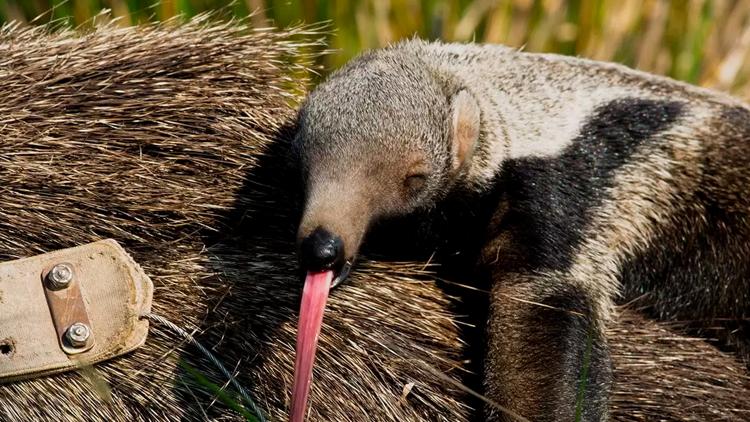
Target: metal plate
67,308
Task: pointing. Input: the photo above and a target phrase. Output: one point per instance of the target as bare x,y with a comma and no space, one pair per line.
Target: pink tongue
314,297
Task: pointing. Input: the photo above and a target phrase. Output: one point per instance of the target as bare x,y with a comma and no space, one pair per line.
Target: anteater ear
464,128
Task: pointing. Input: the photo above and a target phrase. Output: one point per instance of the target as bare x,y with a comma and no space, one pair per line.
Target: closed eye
415,182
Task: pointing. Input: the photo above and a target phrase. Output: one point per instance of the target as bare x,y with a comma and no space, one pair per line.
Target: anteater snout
322,250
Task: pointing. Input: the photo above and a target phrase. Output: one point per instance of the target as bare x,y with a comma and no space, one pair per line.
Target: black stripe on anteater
700,271
551,198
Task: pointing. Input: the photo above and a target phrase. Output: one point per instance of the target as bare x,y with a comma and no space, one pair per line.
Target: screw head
77,334
60,276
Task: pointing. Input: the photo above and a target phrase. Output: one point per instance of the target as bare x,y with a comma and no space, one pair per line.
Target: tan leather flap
107,293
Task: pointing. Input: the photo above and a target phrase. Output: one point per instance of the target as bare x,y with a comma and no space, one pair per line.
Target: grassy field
701,41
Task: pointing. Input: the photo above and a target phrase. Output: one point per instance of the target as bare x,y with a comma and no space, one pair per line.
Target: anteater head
381,137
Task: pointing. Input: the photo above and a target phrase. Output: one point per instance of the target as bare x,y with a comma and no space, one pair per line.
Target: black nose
321,250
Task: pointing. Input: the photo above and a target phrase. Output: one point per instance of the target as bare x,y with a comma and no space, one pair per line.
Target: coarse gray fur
590,182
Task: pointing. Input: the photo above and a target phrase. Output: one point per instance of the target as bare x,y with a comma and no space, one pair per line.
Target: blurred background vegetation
701,41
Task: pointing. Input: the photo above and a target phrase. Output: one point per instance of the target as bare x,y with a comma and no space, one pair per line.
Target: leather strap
105,293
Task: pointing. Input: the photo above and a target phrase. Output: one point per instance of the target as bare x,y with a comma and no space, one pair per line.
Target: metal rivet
77,334
60,276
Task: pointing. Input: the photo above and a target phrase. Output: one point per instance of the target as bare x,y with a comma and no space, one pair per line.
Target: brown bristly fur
661,374
163,138
146,135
